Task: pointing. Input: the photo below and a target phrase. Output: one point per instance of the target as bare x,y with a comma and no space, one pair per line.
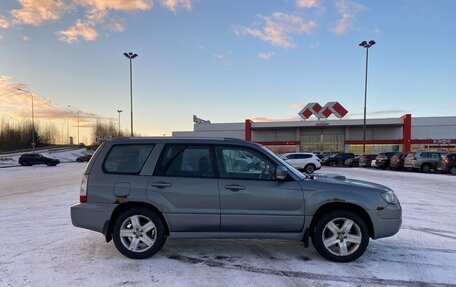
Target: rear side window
302,156
186,161
126,159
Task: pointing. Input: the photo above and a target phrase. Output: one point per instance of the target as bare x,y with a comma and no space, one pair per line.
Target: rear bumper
92,216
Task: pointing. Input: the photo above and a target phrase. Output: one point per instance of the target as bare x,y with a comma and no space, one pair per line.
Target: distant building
329,136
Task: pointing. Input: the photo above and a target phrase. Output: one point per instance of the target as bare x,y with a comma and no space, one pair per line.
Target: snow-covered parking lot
40,247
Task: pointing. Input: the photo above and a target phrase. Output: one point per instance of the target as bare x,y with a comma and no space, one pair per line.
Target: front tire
341,236
453,170
139,233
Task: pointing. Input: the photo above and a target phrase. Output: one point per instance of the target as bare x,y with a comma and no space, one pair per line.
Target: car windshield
292,169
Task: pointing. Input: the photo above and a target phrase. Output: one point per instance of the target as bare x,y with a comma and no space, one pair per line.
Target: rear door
184,178
253,200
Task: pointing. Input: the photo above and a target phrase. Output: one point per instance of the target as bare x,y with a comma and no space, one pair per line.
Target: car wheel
453,170
341,236
310,168
425,168
49,163
25,163
139,233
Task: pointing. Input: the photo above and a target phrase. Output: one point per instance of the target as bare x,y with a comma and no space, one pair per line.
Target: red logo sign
331,108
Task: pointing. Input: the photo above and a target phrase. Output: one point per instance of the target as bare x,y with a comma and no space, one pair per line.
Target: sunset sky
223,60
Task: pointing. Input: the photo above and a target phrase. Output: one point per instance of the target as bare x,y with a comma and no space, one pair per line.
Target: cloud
347,11
278,29
221,60
307,3
173,5
37,12
95,14
4,24
25,39
17,104
84,30
266,56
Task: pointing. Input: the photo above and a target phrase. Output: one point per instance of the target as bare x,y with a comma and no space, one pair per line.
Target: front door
251,199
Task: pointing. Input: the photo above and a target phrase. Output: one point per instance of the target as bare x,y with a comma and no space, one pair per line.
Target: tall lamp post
366,45
119,111
33,119
131,56
78,119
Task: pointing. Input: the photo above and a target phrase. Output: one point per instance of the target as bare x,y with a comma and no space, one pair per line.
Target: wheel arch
328,207
108,229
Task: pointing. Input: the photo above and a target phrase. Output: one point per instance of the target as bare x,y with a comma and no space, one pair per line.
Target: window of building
126,159
186,161
243,163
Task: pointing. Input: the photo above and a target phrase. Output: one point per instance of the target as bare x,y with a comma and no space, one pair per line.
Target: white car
303,161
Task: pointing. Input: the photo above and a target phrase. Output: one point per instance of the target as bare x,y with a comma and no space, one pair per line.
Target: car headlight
389,197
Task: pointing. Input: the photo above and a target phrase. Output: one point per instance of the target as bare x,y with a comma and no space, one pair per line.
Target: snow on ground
40,247
7,160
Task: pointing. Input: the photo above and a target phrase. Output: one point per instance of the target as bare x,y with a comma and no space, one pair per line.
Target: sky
224,61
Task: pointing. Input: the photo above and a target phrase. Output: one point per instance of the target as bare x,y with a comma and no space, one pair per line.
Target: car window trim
127,144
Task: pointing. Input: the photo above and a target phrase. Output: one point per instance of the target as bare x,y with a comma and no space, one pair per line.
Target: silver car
139,191
424,161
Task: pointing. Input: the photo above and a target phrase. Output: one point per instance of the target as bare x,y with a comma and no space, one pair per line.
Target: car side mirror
281,173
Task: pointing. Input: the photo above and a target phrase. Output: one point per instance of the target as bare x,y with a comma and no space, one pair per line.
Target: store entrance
323,141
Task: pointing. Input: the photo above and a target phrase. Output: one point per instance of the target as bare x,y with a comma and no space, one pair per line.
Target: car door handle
161,184
234,187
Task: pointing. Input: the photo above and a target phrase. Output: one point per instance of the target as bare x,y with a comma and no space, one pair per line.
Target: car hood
341,183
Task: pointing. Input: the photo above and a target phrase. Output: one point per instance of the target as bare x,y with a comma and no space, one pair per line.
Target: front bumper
386,221
92,216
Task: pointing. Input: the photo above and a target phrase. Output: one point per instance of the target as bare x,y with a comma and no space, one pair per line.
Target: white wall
434,128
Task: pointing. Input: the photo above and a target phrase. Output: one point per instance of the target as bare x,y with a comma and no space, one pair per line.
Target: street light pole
33,119
366,45
78,119
131,56
119,111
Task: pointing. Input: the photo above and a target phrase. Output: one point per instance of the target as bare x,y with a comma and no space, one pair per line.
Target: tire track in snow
305,275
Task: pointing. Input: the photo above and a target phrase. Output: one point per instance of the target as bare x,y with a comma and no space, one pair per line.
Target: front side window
185,161
244,163
126,159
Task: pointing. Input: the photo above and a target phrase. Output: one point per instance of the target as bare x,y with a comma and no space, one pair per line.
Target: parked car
424,161
447,164
397,161
383,159
140,191
36,158
365,160
337,159
84,158
351,162
303,161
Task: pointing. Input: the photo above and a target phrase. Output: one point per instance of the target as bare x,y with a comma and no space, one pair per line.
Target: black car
447,164
352,161
84,158
337,159
365,160
36,158
383,159
397,161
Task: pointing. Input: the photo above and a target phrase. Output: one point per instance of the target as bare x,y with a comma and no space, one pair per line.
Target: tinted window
126,159
244,163
186,161
291,156
303,156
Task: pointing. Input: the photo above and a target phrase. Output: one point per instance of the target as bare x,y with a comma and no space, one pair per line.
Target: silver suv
424,161
139,191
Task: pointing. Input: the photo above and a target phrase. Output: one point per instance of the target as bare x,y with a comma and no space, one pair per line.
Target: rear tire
25,163
139,233
49,163
309,168
341,236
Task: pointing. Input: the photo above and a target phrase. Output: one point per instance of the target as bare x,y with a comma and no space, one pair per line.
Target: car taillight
83,190
447,160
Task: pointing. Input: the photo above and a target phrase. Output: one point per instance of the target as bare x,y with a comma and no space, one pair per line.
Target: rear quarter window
126,159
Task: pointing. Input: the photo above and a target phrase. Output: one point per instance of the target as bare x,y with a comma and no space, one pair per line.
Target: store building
337,135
